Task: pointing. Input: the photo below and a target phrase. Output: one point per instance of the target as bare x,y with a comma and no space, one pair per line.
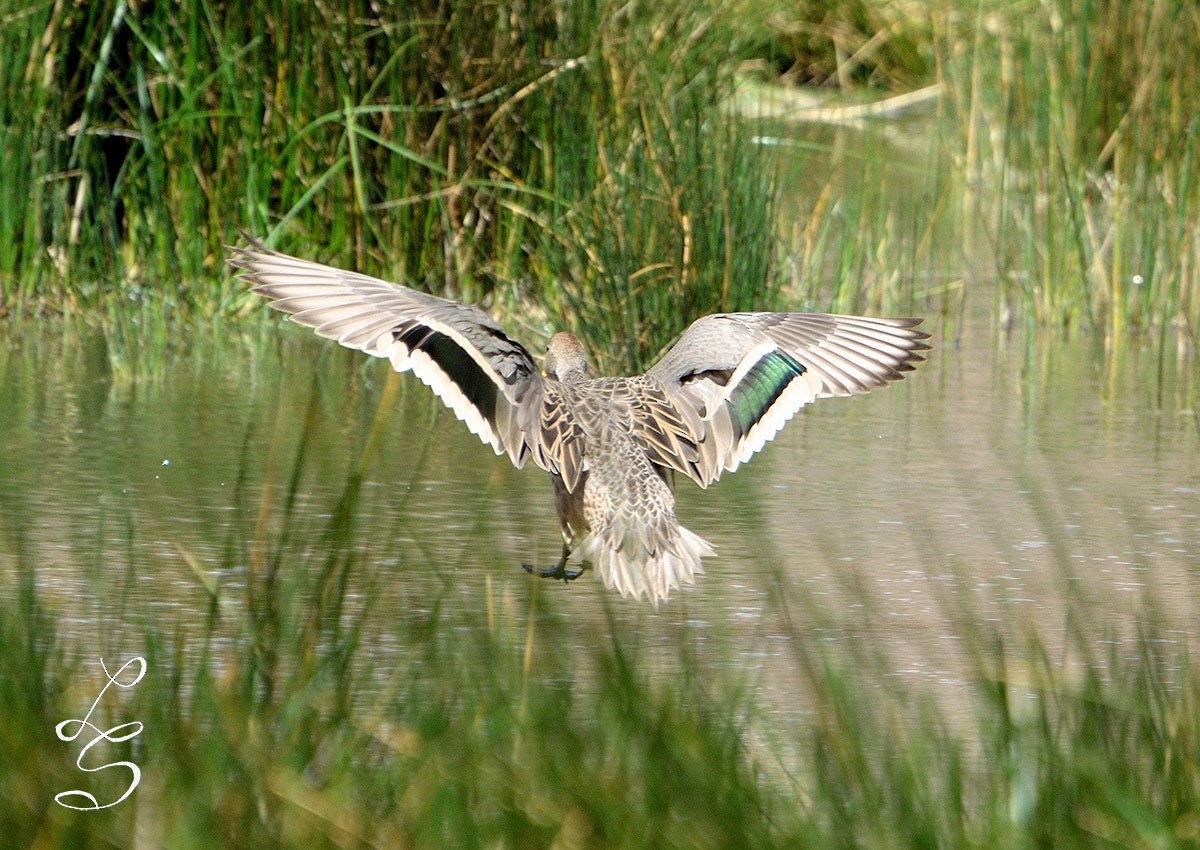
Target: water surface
1007,482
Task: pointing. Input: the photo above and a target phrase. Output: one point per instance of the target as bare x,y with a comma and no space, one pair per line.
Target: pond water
1006,483
1013,481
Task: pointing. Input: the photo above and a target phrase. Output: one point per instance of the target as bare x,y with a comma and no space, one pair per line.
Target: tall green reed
575,157
279,725
1081,142
867,221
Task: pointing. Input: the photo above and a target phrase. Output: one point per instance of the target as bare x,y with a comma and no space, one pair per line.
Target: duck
612,446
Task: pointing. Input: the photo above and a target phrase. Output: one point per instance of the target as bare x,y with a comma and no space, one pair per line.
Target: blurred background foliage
575,162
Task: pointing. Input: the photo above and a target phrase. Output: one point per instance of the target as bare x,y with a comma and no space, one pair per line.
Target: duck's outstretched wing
490,381
736,378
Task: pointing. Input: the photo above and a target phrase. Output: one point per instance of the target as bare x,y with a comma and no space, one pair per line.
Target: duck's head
565,358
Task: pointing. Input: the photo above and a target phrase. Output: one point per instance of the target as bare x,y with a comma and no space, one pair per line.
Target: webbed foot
558,571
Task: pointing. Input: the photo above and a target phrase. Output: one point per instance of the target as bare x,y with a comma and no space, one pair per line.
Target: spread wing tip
459,351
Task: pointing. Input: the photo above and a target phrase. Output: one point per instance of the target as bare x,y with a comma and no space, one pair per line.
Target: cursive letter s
112,735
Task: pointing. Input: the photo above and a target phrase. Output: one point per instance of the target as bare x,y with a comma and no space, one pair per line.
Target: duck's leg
573,526
559,569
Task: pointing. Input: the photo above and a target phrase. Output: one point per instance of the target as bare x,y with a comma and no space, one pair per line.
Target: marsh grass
867,227
843,44
571,158
575,167
1080,137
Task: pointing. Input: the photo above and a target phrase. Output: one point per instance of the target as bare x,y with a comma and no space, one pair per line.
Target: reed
868,225
572,158
276,734
1081,143
582,162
